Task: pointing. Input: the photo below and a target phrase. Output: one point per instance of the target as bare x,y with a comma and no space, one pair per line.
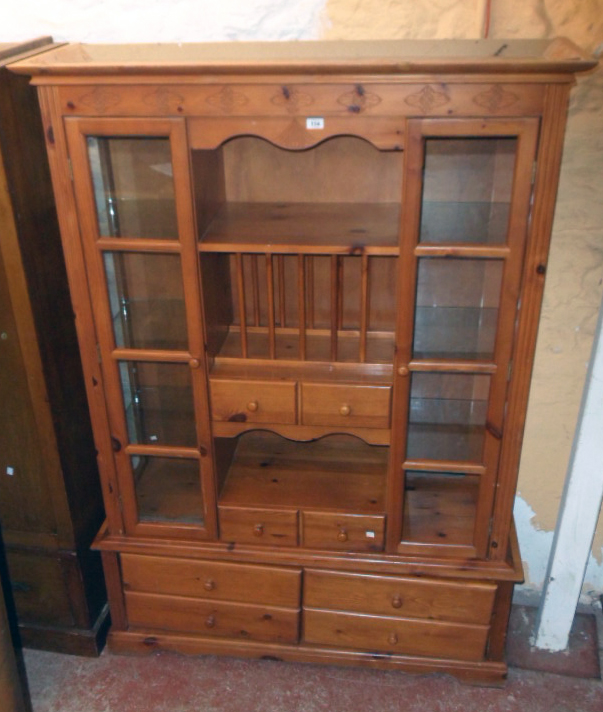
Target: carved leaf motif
292,99
427,99
100,100
359,100
164,100
495,98
227,100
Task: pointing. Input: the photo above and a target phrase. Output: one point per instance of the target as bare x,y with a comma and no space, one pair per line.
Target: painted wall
575,275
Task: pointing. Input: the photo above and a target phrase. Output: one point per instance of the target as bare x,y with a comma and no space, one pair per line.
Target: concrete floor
167,682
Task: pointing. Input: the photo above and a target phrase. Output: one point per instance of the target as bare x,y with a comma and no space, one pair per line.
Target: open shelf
304,228
338,472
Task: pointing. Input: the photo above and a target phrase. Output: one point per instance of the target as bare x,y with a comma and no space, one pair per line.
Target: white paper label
370,534
10,471
315,122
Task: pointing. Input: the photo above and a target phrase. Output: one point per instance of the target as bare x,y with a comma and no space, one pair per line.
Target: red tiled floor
167,682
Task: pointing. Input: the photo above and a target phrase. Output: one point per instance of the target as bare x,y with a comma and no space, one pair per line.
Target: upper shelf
327,57
304,228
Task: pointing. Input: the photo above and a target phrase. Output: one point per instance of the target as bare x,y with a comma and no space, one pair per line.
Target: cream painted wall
575,274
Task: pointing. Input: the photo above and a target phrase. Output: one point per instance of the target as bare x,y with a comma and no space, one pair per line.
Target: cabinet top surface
324,57
10,51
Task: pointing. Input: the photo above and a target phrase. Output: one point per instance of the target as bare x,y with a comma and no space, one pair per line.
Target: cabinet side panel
545,192
76,273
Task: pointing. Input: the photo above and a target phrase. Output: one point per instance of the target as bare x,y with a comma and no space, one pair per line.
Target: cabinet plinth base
488,673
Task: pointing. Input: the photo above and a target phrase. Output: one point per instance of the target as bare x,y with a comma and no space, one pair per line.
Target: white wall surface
161,20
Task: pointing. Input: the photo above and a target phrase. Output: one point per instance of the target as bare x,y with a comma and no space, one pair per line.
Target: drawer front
267,527
348,532
461,602
396,635
272,586
253,401
219,618
345,405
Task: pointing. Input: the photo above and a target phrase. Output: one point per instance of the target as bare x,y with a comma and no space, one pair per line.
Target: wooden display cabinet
50,497
307,279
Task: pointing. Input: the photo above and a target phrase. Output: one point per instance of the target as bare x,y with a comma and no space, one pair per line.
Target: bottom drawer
395,635
220,618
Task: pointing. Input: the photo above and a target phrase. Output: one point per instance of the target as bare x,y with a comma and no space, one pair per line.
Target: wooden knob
210,621
258,530
194,363
392,639
397,601
252,406
345,410
209,585
342,535
403,371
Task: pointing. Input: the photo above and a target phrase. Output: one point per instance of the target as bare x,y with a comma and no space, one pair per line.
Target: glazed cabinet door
465,214
132,189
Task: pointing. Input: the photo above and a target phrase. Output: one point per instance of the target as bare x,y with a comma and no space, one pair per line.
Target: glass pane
467,186
456,310
168,489
146,299
439,508
133,186
158,399
447,416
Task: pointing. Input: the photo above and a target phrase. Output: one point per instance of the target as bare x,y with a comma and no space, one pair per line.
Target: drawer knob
258,530
393,638
252,406
345,410
397,601
194,363
342,535
210,621
209,585
403,371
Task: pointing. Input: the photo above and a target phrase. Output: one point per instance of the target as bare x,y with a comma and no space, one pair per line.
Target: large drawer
410,636
462,602
253,401
271,586
345,405
219,618
267,527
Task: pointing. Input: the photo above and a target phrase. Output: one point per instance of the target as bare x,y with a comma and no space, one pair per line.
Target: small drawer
346,405
266,527
455,601
219,618
253,401
347,532
269,585
396,635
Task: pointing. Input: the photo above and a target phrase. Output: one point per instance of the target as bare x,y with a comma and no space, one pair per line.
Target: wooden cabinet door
133,194
465,209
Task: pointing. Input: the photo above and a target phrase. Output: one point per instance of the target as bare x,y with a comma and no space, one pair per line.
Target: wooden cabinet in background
50,501
307,279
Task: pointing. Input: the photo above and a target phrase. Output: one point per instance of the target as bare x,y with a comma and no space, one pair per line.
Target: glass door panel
440,508
168,489
467,186
133,186
158,402
447,416
146,299
456,312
